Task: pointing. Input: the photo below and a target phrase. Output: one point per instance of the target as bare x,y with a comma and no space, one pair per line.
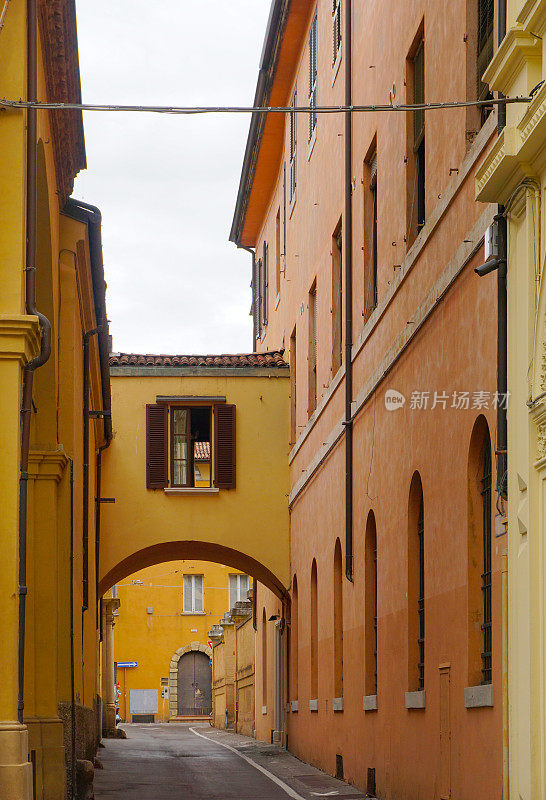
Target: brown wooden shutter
157,469
224,450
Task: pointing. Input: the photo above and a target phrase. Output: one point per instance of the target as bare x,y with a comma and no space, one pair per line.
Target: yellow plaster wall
152,639
251,520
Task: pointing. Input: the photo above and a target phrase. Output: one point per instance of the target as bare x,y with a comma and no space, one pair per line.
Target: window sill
192,490
415,700
294,706
264,710
335,68
337,704
312,142
313,705
369,702
479,696
292,205
193,613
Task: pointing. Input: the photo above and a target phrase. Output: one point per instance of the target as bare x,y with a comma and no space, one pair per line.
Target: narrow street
197,762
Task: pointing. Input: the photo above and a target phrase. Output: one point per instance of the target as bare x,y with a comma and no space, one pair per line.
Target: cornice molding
532,16
47,465
516,154
19,337
57,20
518,49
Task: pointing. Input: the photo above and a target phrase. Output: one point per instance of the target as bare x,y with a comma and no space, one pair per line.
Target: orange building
365,236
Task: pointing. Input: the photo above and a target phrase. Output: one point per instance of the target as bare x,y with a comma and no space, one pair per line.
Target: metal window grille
313,77
419,95
486,14
486,576
293,146
421,600
337,29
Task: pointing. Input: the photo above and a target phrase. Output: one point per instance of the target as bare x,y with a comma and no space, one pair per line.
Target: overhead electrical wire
196,110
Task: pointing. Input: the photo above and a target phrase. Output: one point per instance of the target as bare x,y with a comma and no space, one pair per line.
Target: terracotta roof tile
269,360
201,451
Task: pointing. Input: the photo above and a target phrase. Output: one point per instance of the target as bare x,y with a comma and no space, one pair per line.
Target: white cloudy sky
167,185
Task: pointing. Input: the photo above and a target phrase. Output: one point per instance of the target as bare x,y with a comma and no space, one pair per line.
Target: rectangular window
337,298
416,174
265,284
293,394
238,589
194,594
486,14
313,78
179,443
293,145
337,27
312,352
278,252
370,236
190,446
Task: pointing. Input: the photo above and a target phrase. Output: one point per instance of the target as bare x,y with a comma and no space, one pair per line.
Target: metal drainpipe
278,712
85,477
72,656
45,327
348,228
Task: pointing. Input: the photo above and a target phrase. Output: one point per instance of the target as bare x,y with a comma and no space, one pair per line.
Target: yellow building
514,175
162,632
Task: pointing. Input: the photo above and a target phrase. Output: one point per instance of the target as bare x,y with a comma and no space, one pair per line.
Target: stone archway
173,672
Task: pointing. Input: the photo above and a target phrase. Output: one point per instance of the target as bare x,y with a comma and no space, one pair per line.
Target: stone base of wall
87,727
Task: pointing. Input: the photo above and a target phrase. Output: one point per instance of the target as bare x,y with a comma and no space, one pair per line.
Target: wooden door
194,685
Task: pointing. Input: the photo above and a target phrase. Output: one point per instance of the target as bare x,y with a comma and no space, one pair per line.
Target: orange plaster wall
455,350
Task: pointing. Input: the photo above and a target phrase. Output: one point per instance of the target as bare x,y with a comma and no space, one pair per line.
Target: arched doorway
194,695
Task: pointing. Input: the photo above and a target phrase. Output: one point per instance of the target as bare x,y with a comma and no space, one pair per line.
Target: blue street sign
127,664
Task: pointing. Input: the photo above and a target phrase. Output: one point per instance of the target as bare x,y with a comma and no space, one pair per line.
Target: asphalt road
160,762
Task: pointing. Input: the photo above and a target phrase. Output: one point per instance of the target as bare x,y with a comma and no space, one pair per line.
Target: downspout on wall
348,229
45,328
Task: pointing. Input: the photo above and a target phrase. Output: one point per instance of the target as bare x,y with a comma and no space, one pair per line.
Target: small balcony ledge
192,490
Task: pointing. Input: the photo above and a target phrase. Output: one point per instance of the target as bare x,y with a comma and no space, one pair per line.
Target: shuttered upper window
293,146
313,77
190,446
336,29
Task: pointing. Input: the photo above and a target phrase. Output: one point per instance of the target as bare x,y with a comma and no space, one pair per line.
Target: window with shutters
337,30
238,589
337,298
416,587
486,13
416,159
194,594
293,388
265,285
312,350
278,268
313,79
190,446
370,234
293,146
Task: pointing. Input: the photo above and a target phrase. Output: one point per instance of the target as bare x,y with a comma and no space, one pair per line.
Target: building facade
53,370
514,175
162,626
365,235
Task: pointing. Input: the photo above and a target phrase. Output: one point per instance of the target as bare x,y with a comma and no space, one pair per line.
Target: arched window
370,606
479,556
338,621
294,640
314,632
416,586
264,658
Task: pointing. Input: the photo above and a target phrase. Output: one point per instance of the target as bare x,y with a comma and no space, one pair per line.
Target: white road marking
284,786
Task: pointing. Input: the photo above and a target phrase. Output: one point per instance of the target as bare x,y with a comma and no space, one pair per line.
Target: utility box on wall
144,704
